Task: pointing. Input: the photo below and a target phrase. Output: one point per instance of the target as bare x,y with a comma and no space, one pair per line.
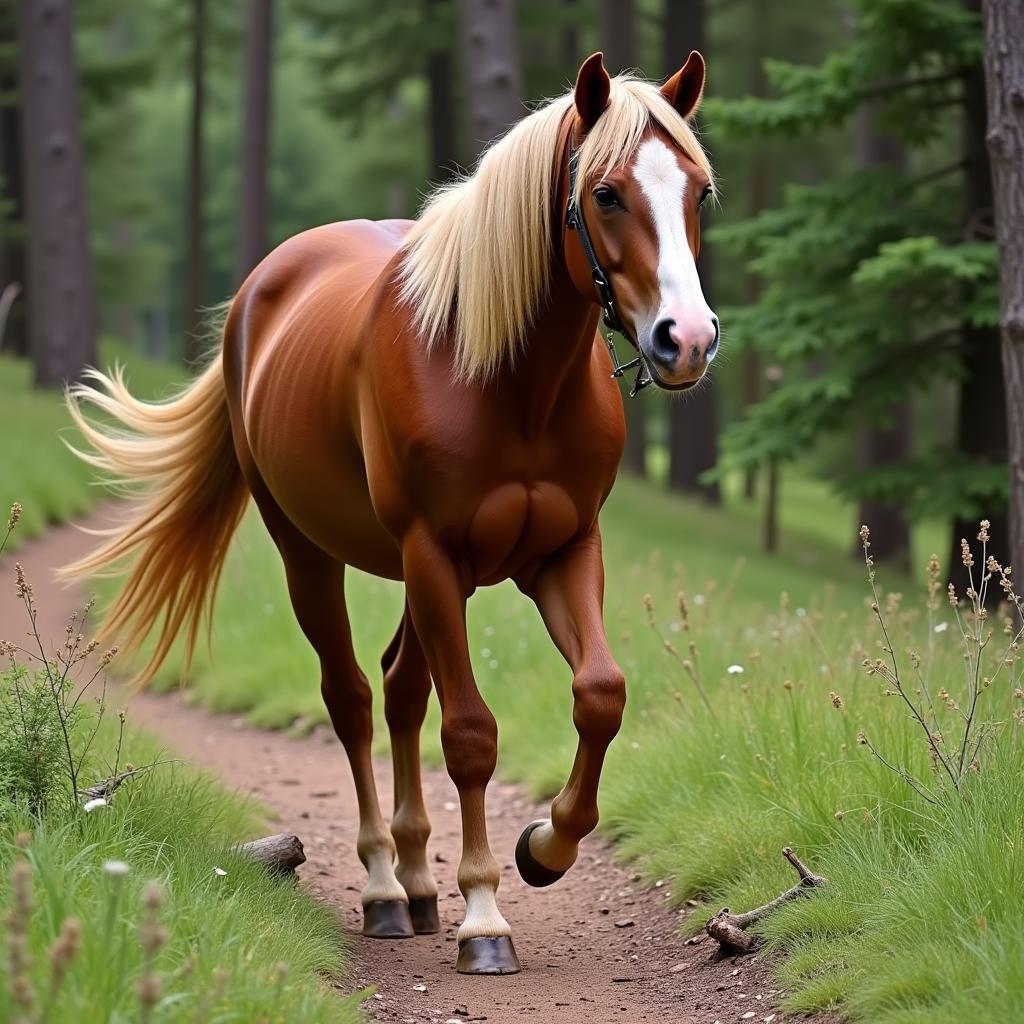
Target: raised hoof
531,870
423,911
487,954
387,919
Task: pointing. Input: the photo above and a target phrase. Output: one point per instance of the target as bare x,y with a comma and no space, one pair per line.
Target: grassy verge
238,946
39,471
926,908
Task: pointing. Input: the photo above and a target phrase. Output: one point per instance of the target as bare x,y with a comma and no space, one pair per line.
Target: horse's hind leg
316,586
406,692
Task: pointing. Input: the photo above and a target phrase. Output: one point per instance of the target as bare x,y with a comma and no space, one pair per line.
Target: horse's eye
704,195
606,197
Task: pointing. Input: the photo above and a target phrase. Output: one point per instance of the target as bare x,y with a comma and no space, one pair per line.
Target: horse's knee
469,739
599,697
350,706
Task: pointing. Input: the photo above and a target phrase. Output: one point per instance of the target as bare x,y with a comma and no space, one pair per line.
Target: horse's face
644,222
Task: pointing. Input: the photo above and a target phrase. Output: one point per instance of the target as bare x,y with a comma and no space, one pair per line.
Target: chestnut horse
430,402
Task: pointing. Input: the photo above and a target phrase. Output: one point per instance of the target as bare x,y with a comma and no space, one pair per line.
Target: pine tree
63,318
870,276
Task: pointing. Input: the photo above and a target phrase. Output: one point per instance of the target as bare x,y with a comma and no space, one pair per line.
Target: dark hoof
423,911
387,919
487,955
530,869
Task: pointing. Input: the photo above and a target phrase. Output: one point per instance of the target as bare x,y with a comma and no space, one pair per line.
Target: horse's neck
555,361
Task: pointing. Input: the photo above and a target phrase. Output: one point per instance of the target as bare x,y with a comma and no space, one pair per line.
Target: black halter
574,221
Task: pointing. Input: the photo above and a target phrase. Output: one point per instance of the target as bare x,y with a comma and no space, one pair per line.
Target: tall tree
63,318
490,50
868,276
195,247
252,207
13,256
692,421
981,412
444,152
1004,81
618,38
885,438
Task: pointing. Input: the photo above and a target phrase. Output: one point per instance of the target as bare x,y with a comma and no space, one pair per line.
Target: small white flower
823,668
493,663
117,868
90,805
485,653
698,598
941,627
734,670
488,631
801,612
219,872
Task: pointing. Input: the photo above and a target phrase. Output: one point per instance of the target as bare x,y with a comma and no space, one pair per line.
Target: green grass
227,935
52,485
923,917
709,803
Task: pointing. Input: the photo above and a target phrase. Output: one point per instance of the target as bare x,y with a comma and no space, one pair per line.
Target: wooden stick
282,853
729,930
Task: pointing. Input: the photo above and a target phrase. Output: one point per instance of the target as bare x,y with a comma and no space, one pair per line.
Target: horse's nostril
713,347
666,351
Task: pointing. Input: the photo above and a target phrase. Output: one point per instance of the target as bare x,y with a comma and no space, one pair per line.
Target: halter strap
575,221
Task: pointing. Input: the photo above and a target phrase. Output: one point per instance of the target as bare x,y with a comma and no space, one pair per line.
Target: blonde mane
476,263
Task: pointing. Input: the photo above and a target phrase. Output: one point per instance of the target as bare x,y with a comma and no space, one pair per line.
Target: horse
430,401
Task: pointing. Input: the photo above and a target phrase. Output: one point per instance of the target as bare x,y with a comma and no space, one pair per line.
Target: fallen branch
729,930
281,853
106,788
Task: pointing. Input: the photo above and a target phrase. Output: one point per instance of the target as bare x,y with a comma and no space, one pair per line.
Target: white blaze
663,184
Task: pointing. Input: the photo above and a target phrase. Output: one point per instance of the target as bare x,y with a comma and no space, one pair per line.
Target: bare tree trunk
13,257
444,150
569,50
1004,81
195,263
63,317
888,440
693,421
490,51
981,416
618,34
252,210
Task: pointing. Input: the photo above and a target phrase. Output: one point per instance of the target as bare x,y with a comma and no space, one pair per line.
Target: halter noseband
575,221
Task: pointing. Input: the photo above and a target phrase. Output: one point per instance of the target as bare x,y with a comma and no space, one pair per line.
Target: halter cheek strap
575,221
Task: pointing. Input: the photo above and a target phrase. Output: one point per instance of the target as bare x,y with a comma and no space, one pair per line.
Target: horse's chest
518,524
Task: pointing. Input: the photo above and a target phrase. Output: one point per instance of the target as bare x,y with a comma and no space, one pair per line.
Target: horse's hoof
487,954
423,911
387,919
531,870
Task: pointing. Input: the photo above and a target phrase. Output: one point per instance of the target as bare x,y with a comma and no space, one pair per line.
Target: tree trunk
13,257
981,414
618,34
889,439
1004,80
63,315
490,53
195,264
444,151
692,420
252,209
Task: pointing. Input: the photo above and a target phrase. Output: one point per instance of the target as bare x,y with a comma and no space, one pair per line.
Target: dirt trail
597,947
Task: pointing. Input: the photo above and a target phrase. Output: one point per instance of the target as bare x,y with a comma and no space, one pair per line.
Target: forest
807,589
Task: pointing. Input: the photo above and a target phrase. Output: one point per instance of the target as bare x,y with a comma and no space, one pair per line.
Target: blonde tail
175,461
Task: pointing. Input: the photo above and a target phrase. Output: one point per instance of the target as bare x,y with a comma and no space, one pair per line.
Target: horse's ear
593,87
684,89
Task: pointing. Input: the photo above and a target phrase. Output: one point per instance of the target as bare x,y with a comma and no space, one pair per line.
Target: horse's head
642,219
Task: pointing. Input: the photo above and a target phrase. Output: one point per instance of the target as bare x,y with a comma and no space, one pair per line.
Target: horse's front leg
569,592
437,597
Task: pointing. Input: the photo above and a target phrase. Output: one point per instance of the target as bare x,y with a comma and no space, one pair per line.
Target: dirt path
596,947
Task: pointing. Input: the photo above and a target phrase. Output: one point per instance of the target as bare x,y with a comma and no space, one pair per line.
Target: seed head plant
957,732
